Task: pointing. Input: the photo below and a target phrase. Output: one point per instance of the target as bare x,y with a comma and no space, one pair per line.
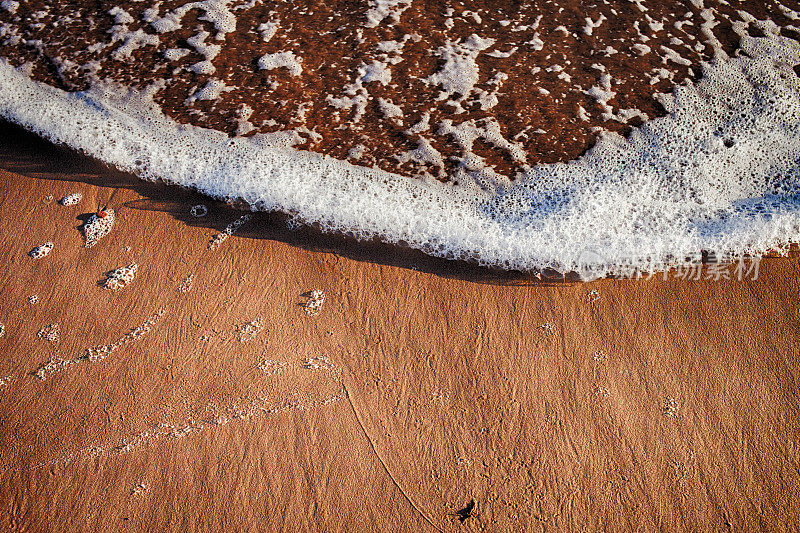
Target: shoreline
411,396
25,152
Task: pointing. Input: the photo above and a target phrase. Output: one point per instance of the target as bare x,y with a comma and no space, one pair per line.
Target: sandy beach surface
423,395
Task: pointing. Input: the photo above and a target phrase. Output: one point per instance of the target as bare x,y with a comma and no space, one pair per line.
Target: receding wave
719,173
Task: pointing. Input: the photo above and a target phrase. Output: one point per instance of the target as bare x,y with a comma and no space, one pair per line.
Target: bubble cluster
719,173
50,333
319,362
248,331
671,407
41,250
229,230
270,367
120,278
198,211
98,226
313,305
71,199
98,353
52,366
186,284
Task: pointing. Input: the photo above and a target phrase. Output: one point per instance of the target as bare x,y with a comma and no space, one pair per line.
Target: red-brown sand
425,395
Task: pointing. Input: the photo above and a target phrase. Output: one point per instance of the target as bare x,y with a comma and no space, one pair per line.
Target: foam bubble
250,330
719,173
51,333
98,226
121,277
313,305
186,284
41,250
71,199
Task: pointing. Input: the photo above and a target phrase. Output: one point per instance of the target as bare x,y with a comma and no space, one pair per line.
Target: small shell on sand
98,226
41,251
71,199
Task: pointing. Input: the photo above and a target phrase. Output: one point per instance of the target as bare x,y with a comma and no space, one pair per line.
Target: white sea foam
720,173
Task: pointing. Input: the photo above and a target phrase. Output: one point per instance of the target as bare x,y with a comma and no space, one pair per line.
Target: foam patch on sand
720,173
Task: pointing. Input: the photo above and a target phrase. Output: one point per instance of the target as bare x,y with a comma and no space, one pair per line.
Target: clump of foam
98,226
460,71
229,230
210,91
268,30
51,333
98,353
71,199
121,277
9,5
286,60
186,284
591,25
356,94
250,330
379,10
719,173
270,368
42,250
313,305
198,211
130,40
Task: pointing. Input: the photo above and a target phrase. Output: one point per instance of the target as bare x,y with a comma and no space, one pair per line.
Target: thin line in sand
383,464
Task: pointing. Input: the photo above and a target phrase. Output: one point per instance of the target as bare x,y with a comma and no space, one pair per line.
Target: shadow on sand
24,153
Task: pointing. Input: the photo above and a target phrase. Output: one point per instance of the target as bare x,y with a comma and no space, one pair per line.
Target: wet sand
425,395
